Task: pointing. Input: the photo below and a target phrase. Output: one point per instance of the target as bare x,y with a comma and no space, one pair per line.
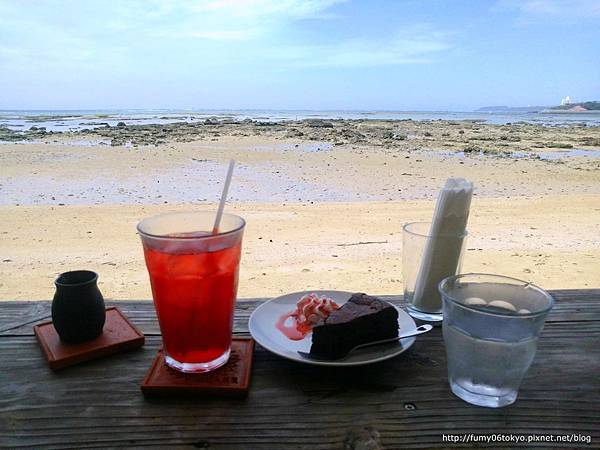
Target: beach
324,200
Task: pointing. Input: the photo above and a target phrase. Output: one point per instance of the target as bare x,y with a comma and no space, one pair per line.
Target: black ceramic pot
78,311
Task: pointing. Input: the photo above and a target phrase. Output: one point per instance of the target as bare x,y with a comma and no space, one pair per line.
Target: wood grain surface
401,403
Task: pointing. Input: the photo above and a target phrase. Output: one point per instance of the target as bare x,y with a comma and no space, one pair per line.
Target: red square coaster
232,379
118,334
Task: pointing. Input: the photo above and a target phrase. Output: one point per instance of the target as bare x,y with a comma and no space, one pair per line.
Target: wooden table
401,403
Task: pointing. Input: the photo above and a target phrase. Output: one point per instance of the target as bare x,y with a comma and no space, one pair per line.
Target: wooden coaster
232,379
118,334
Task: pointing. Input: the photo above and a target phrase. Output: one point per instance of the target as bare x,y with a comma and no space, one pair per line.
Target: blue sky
297,54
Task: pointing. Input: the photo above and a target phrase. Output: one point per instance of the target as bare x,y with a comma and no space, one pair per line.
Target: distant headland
565,107
576,107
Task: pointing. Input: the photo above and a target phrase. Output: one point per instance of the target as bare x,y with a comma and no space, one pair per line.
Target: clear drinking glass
491,327
194,278
422,274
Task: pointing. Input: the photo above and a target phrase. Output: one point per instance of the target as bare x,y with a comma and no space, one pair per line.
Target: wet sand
321,214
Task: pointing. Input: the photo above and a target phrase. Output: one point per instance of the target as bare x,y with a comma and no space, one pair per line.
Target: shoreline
275,168
153,130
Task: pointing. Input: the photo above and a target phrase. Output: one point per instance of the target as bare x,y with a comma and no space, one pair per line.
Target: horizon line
371,110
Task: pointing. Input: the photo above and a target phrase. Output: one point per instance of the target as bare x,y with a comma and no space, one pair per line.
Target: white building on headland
566,101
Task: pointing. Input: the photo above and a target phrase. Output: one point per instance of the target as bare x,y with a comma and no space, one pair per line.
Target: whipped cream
311,308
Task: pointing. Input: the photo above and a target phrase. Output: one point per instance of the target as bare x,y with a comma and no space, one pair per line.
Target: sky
297,54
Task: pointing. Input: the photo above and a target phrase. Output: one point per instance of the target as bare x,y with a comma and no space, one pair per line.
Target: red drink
194,278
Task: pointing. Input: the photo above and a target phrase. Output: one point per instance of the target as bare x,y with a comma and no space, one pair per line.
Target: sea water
483,370
74,120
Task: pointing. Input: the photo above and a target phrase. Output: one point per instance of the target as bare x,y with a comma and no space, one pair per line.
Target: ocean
74,120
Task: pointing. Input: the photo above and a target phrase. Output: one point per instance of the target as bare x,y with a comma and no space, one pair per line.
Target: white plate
263,330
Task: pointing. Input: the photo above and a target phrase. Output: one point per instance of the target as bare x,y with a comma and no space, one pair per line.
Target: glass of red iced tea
194,278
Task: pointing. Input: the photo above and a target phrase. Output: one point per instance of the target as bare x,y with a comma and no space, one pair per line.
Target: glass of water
491,327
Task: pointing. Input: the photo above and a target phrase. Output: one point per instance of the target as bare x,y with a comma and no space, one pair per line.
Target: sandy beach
324,200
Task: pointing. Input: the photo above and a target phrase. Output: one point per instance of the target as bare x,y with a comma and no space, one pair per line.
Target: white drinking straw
223,197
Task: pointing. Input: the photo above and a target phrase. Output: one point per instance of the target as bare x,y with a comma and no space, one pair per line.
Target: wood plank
18,317
22,315
19,312
406,400
16,313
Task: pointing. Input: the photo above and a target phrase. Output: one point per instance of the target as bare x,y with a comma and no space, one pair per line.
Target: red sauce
291,330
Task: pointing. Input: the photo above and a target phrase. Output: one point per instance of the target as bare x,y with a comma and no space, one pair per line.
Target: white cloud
417,45
230,20
219,33
294,9
222,35
556,11
215,20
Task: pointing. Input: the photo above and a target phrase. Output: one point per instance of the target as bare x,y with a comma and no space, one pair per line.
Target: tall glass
491,328
194,278
422,273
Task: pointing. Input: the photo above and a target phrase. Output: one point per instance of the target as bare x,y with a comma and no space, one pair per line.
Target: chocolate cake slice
360,320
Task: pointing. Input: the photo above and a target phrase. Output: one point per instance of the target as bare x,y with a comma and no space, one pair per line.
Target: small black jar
78,311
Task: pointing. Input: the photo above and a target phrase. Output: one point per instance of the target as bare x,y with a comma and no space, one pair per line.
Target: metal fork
419,330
